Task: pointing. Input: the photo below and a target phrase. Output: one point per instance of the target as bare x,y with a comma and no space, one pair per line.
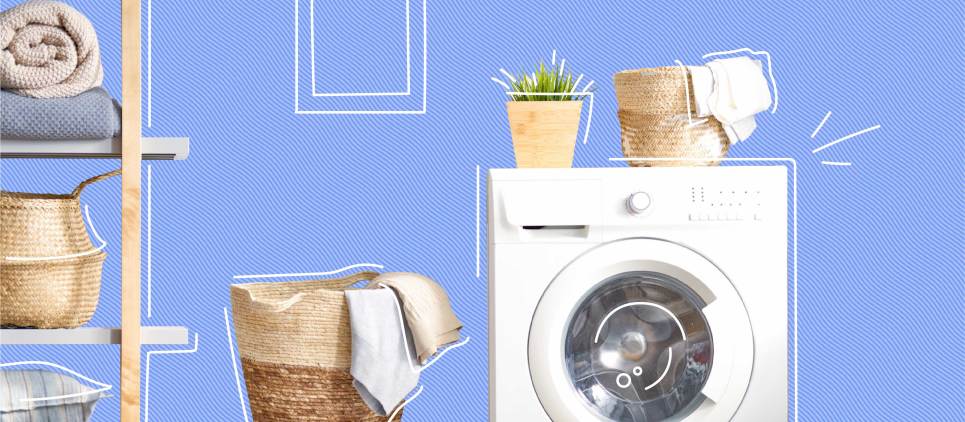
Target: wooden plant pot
544,132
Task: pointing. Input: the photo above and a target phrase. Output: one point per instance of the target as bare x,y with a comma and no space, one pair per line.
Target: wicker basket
50,272
652,105
295,343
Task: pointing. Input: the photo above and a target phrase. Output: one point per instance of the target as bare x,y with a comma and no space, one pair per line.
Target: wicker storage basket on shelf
295,343
654,121
50,272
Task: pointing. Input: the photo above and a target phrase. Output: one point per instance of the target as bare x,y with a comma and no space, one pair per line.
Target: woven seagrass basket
50,272
295,343
656,122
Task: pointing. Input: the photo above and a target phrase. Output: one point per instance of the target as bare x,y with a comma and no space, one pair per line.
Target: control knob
638,202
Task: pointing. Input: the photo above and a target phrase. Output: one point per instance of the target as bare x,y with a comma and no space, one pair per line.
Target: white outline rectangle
425,89
408,60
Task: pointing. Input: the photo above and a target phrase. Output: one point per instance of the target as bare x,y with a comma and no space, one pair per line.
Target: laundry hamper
50,272
295,343
656,121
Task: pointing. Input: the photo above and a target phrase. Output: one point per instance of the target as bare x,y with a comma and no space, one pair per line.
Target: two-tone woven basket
295,343
657,122
50,272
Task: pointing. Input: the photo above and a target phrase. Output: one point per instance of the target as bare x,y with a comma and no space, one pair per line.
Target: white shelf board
151,148
91,335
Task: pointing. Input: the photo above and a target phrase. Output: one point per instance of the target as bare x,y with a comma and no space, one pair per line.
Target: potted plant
544,113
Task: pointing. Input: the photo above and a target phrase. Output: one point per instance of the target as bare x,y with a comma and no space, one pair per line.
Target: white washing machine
638,294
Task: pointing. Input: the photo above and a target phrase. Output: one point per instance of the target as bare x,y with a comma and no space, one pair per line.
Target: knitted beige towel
50,50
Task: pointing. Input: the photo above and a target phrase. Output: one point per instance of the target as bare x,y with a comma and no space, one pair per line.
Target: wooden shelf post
131,211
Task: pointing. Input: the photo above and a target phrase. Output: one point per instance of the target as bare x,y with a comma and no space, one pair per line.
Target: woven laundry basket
295,343
652,105
50,272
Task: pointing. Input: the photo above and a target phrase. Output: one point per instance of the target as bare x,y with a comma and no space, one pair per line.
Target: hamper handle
340,283
688,79
92,180
334,283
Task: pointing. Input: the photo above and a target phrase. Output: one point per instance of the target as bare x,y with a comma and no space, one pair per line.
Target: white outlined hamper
295,344
50,273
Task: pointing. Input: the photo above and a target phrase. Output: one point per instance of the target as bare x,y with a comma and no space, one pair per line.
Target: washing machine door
641,330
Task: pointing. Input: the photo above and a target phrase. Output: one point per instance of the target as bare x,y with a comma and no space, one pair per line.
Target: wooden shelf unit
131,148
131,211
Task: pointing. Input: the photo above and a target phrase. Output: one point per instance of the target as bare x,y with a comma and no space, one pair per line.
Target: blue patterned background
268,191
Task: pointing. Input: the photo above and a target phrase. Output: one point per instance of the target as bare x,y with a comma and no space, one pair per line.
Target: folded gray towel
91,115
380,356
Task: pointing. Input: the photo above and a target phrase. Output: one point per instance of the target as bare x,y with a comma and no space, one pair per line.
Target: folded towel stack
398,323
51,72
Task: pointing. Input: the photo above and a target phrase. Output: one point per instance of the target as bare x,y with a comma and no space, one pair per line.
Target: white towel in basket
733,90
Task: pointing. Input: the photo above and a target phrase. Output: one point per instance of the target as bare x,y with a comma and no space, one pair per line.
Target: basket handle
687,81
341,283
92,180
333,283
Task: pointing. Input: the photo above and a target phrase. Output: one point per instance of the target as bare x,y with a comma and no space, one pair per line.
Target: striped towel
15,386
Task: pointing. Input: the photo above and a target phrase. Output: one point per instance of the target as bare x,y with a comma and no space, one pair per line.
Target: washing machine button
638,202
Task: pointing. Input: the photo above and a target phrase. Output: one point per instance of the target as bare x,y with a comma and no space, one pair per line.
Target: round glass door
638,348
640,330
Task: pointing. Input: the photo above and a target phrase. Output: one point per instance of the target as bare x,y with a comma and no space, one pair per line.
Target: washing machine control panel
720,203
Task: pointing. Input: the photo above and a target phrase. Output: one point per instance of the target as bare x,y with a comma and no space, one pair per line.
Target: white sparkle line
665,370
577,83
500,82
397,409
150,202
147,374
836,163
508,75
793,163
103,387
845,138
770,71
234,364
820,125
477,221
90,223
340,270
599,329
589,114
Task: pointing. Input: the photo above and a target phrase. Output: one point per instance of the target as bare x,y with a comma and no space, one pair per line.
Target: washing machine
638,294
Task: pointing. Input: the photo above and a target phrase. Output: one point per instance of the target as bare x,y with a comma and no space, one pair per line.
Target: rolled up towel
50,50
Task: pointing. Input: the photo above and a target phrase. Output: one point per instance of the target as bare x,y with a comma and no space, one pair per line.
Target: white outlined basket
50,272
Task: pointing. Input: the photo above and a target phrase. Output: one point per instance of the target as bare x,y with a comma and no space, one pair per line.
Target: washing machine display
638,348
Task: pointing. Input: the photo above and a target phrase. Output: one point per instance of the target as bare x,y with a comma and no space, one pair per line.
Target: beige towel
50,50
427,311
